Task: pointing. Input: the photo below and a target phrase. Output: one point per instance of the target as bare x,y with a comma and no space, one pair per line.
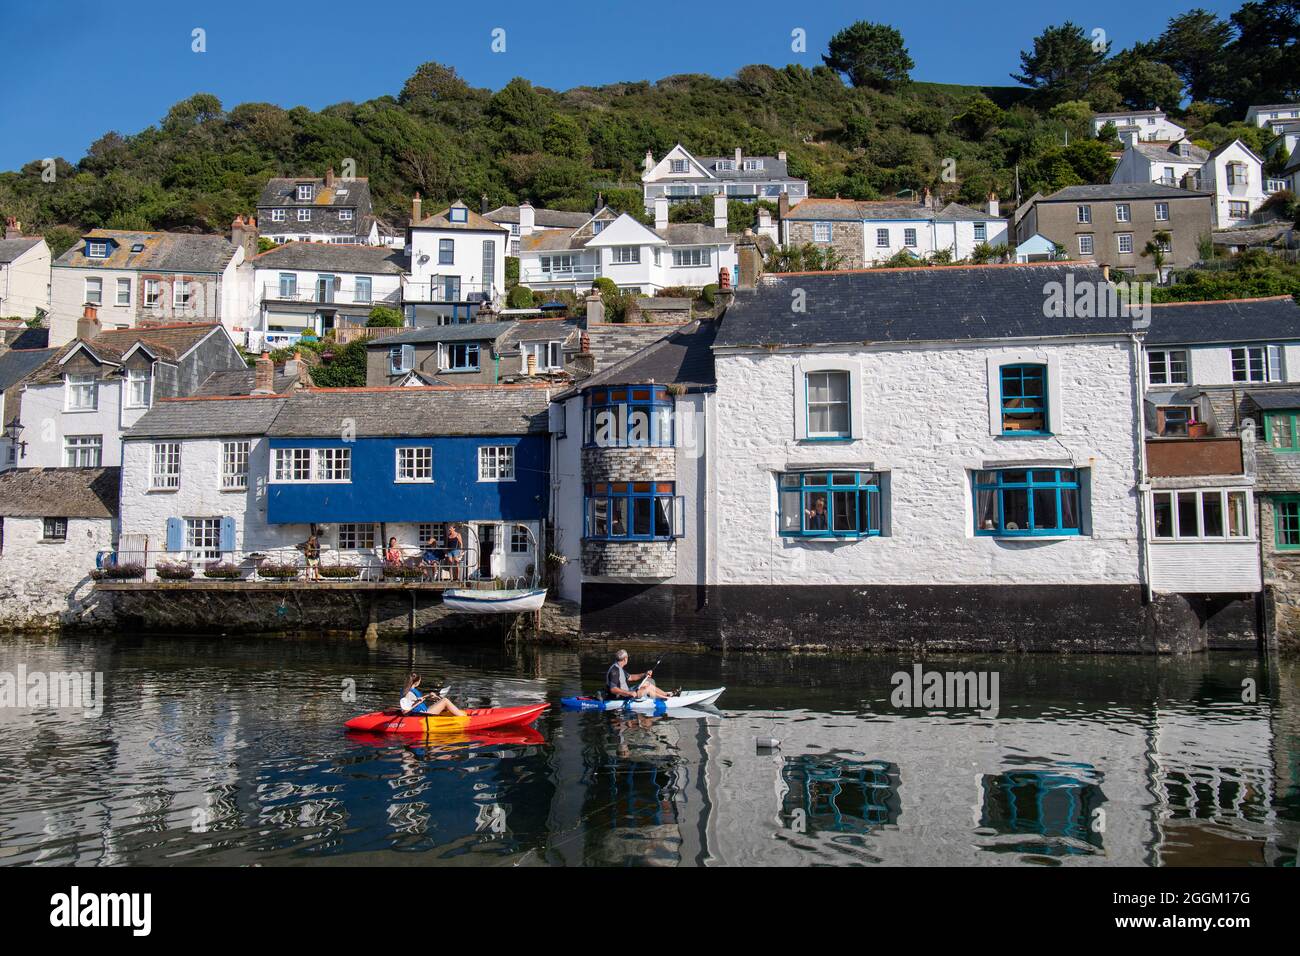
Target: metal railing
537,277
315,295
437,289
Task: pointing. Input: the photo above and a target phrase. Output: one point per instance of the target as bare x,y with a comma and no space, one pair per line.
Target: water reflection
232,752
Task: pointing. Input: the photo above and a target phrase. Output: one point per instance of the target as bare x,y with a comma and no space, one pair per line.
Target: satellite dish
424,258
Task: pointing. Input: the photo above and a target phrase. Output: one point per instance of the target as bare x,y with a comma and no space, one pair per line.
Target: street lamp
12,431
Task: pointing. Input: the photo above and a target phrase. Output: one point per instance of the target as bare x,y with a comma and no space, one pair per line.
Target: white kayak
687,698
494,602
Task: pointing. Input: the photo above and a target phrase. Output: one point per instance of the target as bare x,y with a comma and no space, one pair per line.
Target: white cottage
681,177
457,263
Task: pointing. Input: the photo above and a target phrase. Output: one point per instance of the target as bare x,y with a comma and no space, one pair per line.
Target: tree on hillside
1143,83
1193,46
1063,64
870,54
1264,59
432,82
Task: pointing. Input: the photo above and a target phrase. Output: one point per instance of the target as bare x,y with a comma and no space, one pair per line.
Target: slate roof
162,252
11,249
17,364
1168,153
400,411
60,492
540,330
333,257
167,342
773,170
682,357
207,417
1279,399
956,212
473,221
242,382
464,332
26,338
1129,113
692,234
927,304
1236,142
345,193
1235,320
547,218
1121,191
852,210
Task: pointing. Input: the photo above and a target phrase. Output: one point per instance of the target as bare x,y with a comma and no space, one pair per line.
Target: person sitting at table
393,554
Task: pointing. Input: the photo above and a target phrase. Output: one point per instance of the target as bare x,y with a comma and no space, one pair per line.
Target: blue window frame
632,511
462,358
628,416
446,252
1028,502
1024,400
820,504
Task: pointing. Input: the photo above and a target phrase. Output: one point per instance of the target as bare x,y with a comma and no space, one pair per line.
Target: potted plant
277,571
222,571
339,572
122,572
1197,429
173,571
402,572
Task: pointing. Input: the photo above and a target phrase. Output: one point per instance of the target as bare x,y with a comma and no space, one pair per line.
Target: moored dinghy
512,601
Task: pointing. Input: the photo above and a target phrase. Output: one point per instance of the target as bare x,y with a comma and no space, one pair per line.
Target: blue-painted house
368,465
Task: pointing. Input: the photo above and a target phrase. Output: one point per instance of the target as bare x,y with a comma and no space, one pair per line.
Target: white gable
626,231
664,169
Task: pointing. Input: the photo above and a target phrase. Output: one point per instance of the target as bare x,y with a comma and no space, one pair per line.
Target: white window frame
97,250
139,388
165,466
550,355
345,215
496,463
352,535
1086,239
75,386
822,232
1120,243
304,215
909,238
278,215
234,465
1083,215
1167,360
625,255
678,166
94,290
517,533
123,285
413,464
180,294
981,232
203,539
1123,213
882,238
1270,362
83,451
698,257
332,465
152,293
1176,536
306,192
291,465
1162,212
368,284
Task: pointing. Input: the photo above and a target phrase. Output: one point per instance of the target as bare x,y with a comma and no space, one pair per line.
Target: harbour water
231,751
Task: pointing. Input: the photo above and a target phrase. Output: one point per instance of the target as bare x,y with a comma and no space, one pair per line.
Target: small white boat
473,601
647,705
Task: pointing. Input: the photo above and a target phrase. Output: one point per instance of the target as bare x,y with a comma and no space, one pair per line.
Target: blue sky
75,71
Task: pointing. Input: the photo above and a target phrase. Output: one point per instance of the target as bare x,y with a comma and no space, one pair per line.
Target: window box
223,571
340,572
173,571
277,571
122,572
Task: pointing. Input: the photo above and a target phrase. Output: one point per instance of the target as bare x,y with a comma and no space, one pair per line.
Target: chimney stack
993,204
661,213
595,308
532,364
584,363
649,160
527,218
88,324
720,212
264,375
483,208
243,233
749,261
737,157
329,178
13,228
416,206
781,156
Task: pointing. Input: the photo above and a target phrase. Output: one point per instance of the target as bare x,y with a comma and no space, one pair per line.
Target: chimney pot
264,375
416,205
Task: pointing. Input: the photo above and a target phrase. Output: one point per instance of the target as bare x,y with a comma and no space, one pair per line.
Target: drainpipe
1144,480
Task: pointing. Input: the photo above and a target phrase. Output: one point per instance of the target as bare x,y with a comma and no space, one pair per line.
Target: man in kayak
413,702
616,679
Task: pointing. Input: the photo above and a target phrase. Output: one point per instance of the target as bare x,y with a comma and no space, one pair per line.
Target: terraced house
329,209
135,279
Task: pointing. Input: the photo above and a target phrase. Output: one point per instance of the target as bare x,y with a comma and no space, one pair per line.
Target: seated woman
392,554
413,702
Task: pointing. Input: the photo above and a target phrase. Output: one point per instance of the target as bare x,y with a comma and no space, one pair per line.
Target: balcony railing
317,295
537,277
438,289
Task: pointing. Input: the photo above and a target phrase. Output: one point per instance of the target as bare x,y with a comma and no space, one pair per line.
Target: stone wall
846,241
1281,582
47,584
629,464
1084,619
648,560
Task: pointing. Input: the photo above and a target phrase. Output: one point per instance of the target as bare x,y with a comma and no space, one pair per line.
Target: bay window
1214,513
632,511
1027,502
629,416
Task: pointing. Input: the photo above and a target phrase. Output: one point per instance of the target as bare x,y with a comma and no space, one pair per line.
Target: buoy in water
767,743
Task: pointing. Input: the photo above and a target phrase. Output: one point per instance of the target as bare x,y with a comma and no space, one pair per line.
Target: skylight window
138,247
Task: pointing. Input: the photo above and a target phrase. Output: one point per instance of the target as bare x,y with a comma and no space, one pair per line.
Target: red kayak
513,736
479,718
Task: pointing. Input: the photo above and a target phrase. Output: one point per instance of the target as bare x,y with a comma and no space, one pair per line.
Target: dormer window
458,214
306,192
345,215
1184,149
753,164
97,250
724,165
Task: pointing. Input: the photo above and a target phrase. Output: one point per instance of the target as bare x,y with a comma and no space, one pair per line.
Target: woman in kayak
413,702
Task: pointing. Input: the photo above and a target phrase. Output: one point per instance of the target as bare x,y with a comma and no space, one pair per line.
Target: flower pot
1198,429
